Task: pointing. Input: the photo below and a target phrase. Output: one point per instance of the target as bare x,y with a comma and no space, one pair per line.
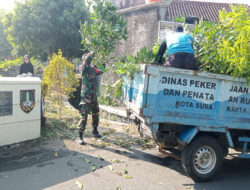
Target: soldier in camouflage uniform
88,101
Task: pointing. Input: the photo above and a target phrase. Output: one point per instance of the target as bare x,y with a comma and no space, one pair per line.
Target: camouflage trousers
86,107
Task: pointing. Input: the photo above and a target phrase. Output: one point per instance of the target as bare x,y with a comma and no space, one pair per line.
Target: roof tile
206,10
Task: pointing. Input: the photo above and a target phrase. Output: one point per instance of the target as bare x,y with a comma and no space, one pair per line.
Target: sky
9,4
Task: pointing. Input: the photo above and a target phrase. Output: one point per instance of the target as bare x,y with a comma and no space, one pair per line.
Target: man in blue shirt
180,51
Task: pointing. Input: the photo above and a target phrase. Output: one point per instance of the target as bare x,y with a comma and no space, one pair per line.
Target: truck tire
202,159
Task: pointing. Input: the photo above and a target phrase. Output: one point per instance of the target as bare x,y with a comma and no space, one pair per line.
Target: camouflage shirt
89,83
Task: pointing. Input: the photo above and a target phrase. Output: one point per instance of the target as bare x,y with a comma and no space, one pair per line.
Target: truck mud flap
187,134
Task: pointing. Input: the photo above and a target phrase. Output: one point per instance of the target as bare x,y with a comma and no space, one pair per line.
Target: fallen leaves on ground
125,171
127,177
87,160
123,143
111,168
119,173
108,132
55,127
101,158
93,168
117,161
79,184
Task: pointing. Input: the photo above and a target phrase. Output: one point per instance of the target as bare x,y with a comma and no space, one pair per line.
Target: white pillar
19,121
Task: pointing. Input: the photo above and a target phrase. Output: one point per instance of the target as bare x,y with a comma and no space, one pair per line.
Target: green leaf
79,184
93,168
87,161
127,177
117,161
125,171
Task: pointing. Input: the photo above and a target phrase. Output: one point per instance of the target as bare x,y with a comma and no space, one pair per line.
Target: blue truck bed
169,95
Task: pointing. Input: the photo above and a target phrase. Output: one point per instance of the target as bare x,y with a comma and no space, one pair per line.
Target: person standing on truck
26,66
88,102
180,50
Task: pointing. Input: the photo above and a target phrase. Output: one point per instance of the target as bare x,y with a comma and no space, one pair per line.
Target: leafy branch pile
106,97
180,19
224,48
129,65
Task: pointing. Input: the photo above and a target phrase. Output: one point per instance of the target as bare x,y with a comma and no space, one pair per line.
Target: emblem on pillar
27,100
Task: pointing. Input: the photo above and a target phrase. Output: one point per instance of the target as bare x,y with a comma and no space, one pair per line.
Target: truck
200,114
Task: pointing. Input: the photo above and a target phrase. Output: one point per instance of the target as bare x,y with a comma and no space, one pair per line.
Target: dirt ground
120,160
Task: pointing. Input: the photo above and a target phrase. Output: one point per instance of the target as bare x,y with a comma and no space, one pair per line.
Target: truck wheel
202,159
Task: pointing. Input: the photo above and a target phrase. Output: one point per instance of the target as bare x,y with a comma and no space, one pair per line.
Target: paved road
59,165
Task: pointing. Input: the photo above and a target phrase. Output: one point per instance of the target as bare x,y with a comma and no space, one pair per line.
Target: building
146,22
198,8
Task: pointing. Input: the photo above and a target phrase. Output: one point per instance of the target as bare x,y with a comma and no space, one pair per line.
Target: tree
105,29
58,78
41,27
5,46
224,47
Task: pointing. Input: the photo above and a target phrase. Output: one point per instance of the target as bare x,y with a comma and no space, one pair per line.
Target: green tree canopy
224,47
105,29
41,27
5,46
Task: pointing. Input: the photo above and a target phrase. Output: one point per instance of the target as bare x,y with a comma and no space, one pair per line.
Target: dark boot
80,139
96,133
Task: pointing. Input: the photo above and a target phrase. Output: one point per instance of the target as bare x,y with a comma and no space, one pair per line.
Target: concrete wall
142,25
167,27
15,124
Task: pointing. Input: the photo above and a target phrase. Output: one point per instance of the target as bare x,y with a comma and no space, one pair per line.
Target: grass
56,127
110,131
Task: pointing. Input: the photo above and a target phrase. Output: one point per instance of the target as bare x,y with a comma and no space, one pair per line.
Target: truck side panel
191,98
134,94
